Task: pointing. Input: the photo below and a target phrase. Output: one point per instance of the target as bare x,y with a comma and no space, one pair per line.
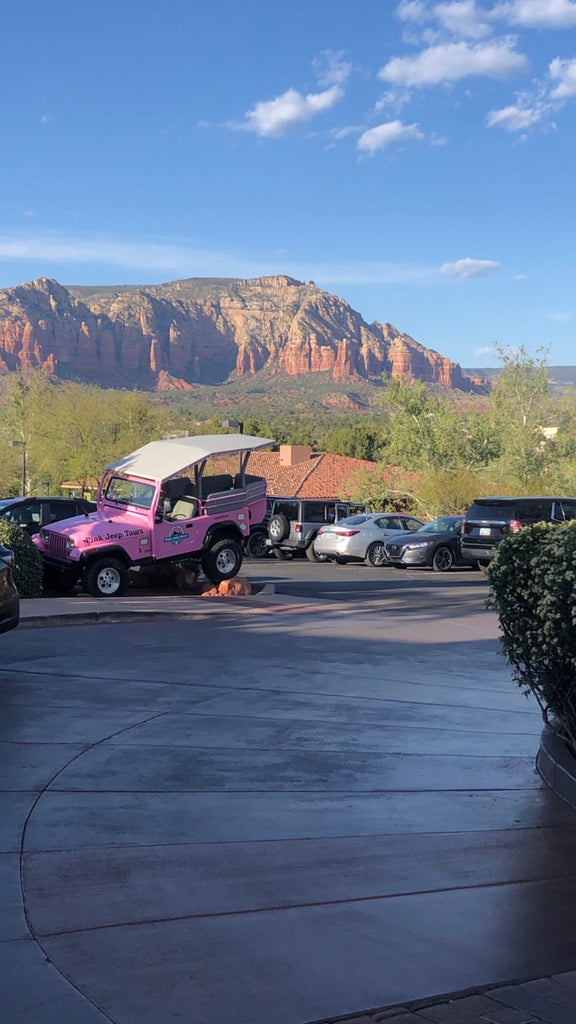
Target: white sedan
361,538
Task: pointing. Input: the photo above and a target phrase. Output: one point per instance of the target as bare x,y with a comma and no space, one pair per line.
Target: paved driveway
271,814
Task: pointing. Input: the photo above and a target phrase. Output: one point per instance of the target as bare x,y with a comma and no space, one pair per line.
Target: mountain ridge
206,331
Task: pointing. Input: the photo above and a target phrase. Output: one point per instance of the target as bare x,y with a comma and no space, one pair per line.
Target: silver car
362,538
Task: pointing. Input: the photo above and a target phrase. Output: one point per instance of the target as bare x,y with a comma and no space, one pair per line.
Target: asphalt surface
274,810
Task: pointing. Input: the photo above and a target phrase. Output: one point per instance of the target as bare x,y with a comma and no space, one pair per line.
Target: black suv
488,520
34,513
294,523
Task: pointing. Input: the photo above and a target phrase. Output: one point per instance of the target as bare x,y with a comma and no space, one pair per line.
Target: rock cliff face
204,330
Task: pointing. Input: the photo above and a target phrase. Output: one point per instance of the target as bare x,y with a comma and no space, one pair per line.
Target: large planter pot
557,765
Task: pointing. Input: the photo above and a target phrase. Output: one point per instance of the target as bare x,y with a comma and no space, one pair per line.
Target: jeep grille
57,546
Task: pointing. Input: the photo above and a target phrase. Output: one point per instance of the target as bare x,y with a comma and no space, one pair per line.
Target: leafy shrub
533,589
28,568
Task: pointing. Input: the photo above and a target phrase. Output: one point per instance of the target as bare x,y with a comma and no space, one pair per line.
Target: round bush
28,568
532,587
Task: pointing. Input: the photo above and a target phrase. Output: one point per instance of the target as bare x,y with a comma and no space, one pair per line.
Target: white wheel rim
108,580
226,561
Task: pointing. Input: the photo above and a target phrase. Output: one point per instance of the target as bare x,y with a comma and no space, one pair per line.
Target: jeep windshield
129,492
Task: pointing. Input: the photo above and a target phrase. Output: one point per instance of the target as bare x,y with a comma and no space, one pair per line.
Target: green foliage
423,430
28,568
521,406
532,586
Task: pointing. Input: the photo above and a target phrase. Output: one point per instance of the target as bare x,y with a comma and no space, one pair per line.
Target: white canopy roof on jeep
160,460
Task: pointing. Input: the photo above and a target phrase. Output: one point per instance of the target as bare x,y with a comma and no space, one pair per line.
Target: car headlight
420,544
45,536
70,543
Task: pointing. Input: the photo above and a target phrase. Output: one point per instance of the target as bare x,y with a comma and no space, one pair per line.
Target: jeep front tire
222,561
105,577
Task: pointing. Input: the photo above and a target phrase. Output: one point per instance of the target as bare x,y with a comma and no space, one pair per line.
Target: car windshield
447,524
130,492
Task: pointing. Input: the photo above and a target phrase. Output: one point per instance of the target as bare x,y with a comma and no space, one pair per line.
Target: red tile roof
321,476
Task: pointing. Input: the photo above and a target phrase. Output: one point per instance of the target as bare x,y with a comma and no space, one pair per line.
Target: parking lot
398,588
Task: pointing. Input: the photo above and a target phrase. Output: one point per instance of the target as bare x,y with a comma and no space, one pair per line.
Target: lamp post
22,445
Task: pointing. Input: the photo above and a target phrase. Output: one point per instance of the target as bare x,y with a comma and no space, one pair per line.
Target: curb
108,616
557,765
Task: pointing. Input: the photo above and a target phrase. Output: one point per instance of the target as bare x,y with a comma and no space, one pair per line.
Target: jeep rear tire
223,560
278,529
255,545
105,577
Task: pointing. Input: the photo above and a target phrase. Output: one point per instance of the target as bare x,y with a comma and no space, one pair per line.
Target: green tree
521,406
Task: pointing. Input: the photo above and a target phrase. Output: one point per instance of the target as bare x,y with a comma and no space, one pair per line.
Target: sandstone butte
203,330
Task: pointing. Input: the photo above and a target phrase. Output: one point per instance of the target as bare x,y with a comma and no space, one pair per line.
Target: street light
22,445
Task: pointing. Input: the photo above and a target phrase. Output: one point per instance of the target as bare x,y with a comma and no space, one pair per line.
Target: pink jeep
157,505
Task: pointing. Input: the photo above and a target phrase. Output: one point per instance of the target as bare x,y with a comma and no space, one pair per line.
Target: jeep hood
95,522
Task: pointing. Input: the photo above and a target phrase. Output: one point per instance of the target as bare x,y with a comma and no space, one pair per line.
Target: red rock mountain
203,330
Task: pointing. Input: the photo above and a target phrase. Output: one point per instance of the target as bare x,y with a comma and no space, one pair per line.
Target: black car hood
398,538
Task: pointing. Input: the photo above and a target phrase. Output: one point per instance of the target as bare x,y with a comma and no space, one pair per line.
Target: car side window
410,524
63,510
389,524
534,511
315,512
25,515
286,508
567,510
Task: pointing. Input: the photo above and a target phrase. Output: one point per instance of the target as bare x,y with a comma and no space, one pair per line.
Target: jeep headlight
70,543
45,536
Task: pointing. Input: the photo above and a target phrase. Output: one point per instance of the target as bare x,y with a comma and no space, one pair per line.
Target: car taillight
515,526
298,528
347,533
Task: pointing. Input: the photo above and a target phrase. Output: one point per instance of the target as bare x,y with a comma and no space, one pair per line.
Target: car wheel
443,560
376,555
256,546
106,577
222,561
278,528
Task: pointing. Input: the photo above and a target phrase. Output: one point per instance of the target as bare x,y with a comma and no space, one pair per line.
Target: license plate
484,531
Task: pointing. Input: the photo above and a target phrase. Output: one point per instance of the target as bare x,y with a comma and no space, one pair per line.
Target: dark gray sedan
436,544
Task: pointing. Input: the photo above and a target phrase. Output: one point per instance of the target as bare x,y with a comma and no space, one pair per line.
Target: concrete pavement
271,811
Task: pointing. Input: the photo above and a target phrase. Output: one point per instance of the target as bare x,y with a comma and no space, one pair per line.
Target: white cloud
486,350
463,18
274,118
564,71
46,119
559,318
331,68
452,61
520,277
516,118
412,10
469,268
538,13
177,259
385,134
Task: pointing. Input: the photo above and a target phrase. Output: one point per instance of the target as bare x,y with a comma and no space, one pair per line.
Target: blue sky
415,157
